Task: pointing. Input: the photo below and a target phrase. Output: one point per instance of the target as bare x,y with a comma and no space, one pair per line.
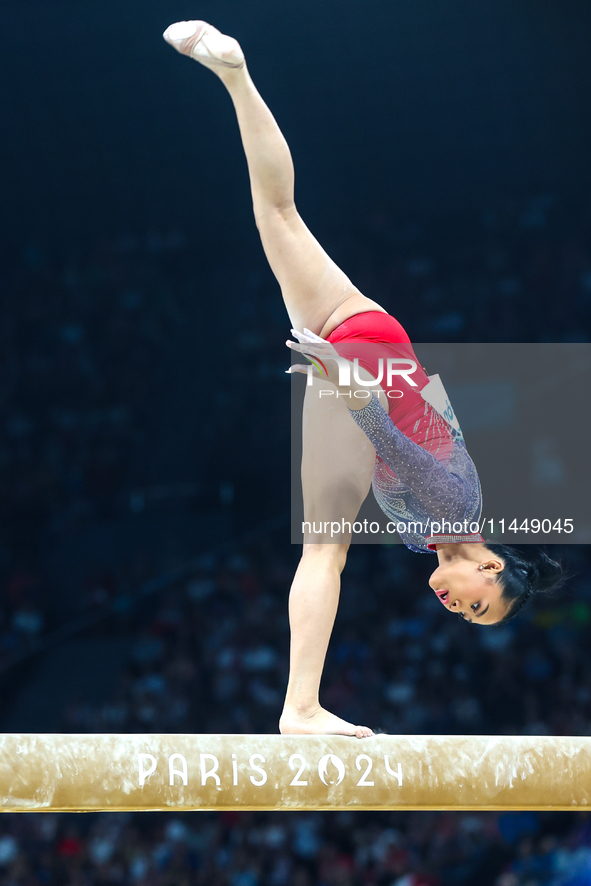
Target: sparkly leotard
423,472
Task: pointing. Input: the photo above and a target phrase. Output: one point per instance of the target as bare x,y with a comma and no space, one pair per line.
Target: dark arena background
443,158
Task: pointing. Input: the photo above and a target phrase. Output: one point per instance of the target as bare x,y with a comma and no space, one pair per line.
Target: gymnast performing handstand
415,459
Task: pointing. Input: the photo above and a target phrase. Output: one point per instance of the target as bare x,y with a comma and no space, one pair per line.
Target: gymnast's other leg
319,296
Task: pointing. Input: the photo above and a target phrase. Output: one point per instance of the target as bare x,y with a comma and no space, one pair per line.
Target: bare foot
318,722
205,44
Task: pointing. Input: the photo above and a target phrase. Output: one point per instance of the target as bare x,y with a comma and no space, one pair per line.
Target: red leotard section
372,335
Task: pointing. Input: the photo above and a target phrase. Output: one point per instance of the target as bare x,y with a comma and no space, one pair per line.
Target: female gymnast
417,461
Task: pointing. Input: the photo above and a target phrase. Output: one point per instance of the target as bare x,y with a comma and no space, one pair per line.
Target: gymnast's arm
440,493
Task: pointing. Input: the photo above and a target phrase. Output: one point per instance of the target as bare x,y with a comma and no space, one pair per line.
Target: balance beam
87,773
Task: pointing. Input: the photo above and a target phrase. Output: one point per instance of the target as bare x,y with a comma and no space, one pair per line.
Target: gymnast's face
465,582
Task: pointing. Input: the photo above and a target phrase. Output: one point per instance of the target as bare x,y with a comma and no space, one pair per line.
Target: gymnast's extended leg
318,296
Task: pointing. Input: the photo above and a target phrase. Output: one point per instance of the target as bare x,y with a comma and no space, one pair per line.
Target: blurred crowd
22,617
518,272
210,655
94,348
297,849
81,340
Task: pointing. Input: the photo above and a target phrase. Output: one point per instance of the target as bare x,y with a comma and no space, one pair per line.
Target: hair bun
532,573
545,573
522,578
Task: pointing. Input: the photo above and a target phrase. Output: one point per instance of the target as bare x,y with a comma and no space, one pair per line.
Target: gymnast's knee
270,213
328,552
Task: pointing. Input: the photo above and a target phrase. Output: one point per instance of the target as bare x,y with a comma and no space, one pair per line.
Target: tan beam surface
189,772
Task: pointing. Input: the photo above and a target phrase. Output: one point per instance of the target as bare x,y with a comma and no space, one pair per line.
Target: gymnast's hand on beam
322,355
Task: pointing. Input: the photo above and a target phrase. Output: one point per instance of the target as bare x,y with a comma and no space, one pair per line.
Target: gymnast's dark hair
523,577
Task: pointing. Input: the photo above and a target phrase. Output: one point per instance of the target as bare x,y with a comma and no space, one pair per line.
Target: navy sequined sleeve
417,486
435,488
